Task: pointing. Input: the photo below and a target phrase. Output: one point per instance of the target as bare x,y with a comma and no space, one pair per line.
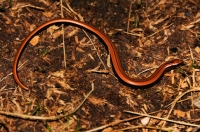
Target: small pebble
145,121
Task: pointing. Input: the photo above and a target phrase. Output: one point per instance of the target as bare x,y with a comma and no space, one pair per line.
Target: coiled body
111,47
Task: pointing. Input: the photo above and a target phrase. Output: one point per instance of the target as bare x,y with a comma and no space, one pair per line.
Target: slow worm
111,47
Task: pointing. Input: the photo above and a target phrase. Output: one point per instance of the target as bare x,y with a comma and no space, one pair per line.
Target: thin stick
147,70
129,15
148,127
178,122
79,15
193,73
116,122
63,36
160,30
134,34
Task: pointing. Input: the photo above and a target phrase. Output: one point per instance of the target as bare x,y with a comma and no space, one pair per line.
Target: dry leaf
79,50
59,74
48,14
8,21
46,2
27,25
188,115
109,129
32,27
50,91
181,15
198,78
179,113
34,40
57,34
197,102
52,29
108,61
186,27
72,33
97,101
197,49
190,129
64,84
184,85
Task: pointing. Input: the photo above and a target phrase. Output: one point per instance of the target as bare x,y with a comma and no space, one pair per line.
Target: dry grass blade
178,122
129,15
63,36
169,129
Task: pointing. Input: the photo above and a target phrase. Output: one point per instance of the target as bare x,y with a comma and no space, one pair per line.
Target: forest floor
76,88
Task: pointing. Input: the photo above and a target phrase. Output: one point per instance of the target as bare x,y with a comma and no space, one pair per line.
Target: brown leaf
48,14
197,49
109,129
34,40
179,113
